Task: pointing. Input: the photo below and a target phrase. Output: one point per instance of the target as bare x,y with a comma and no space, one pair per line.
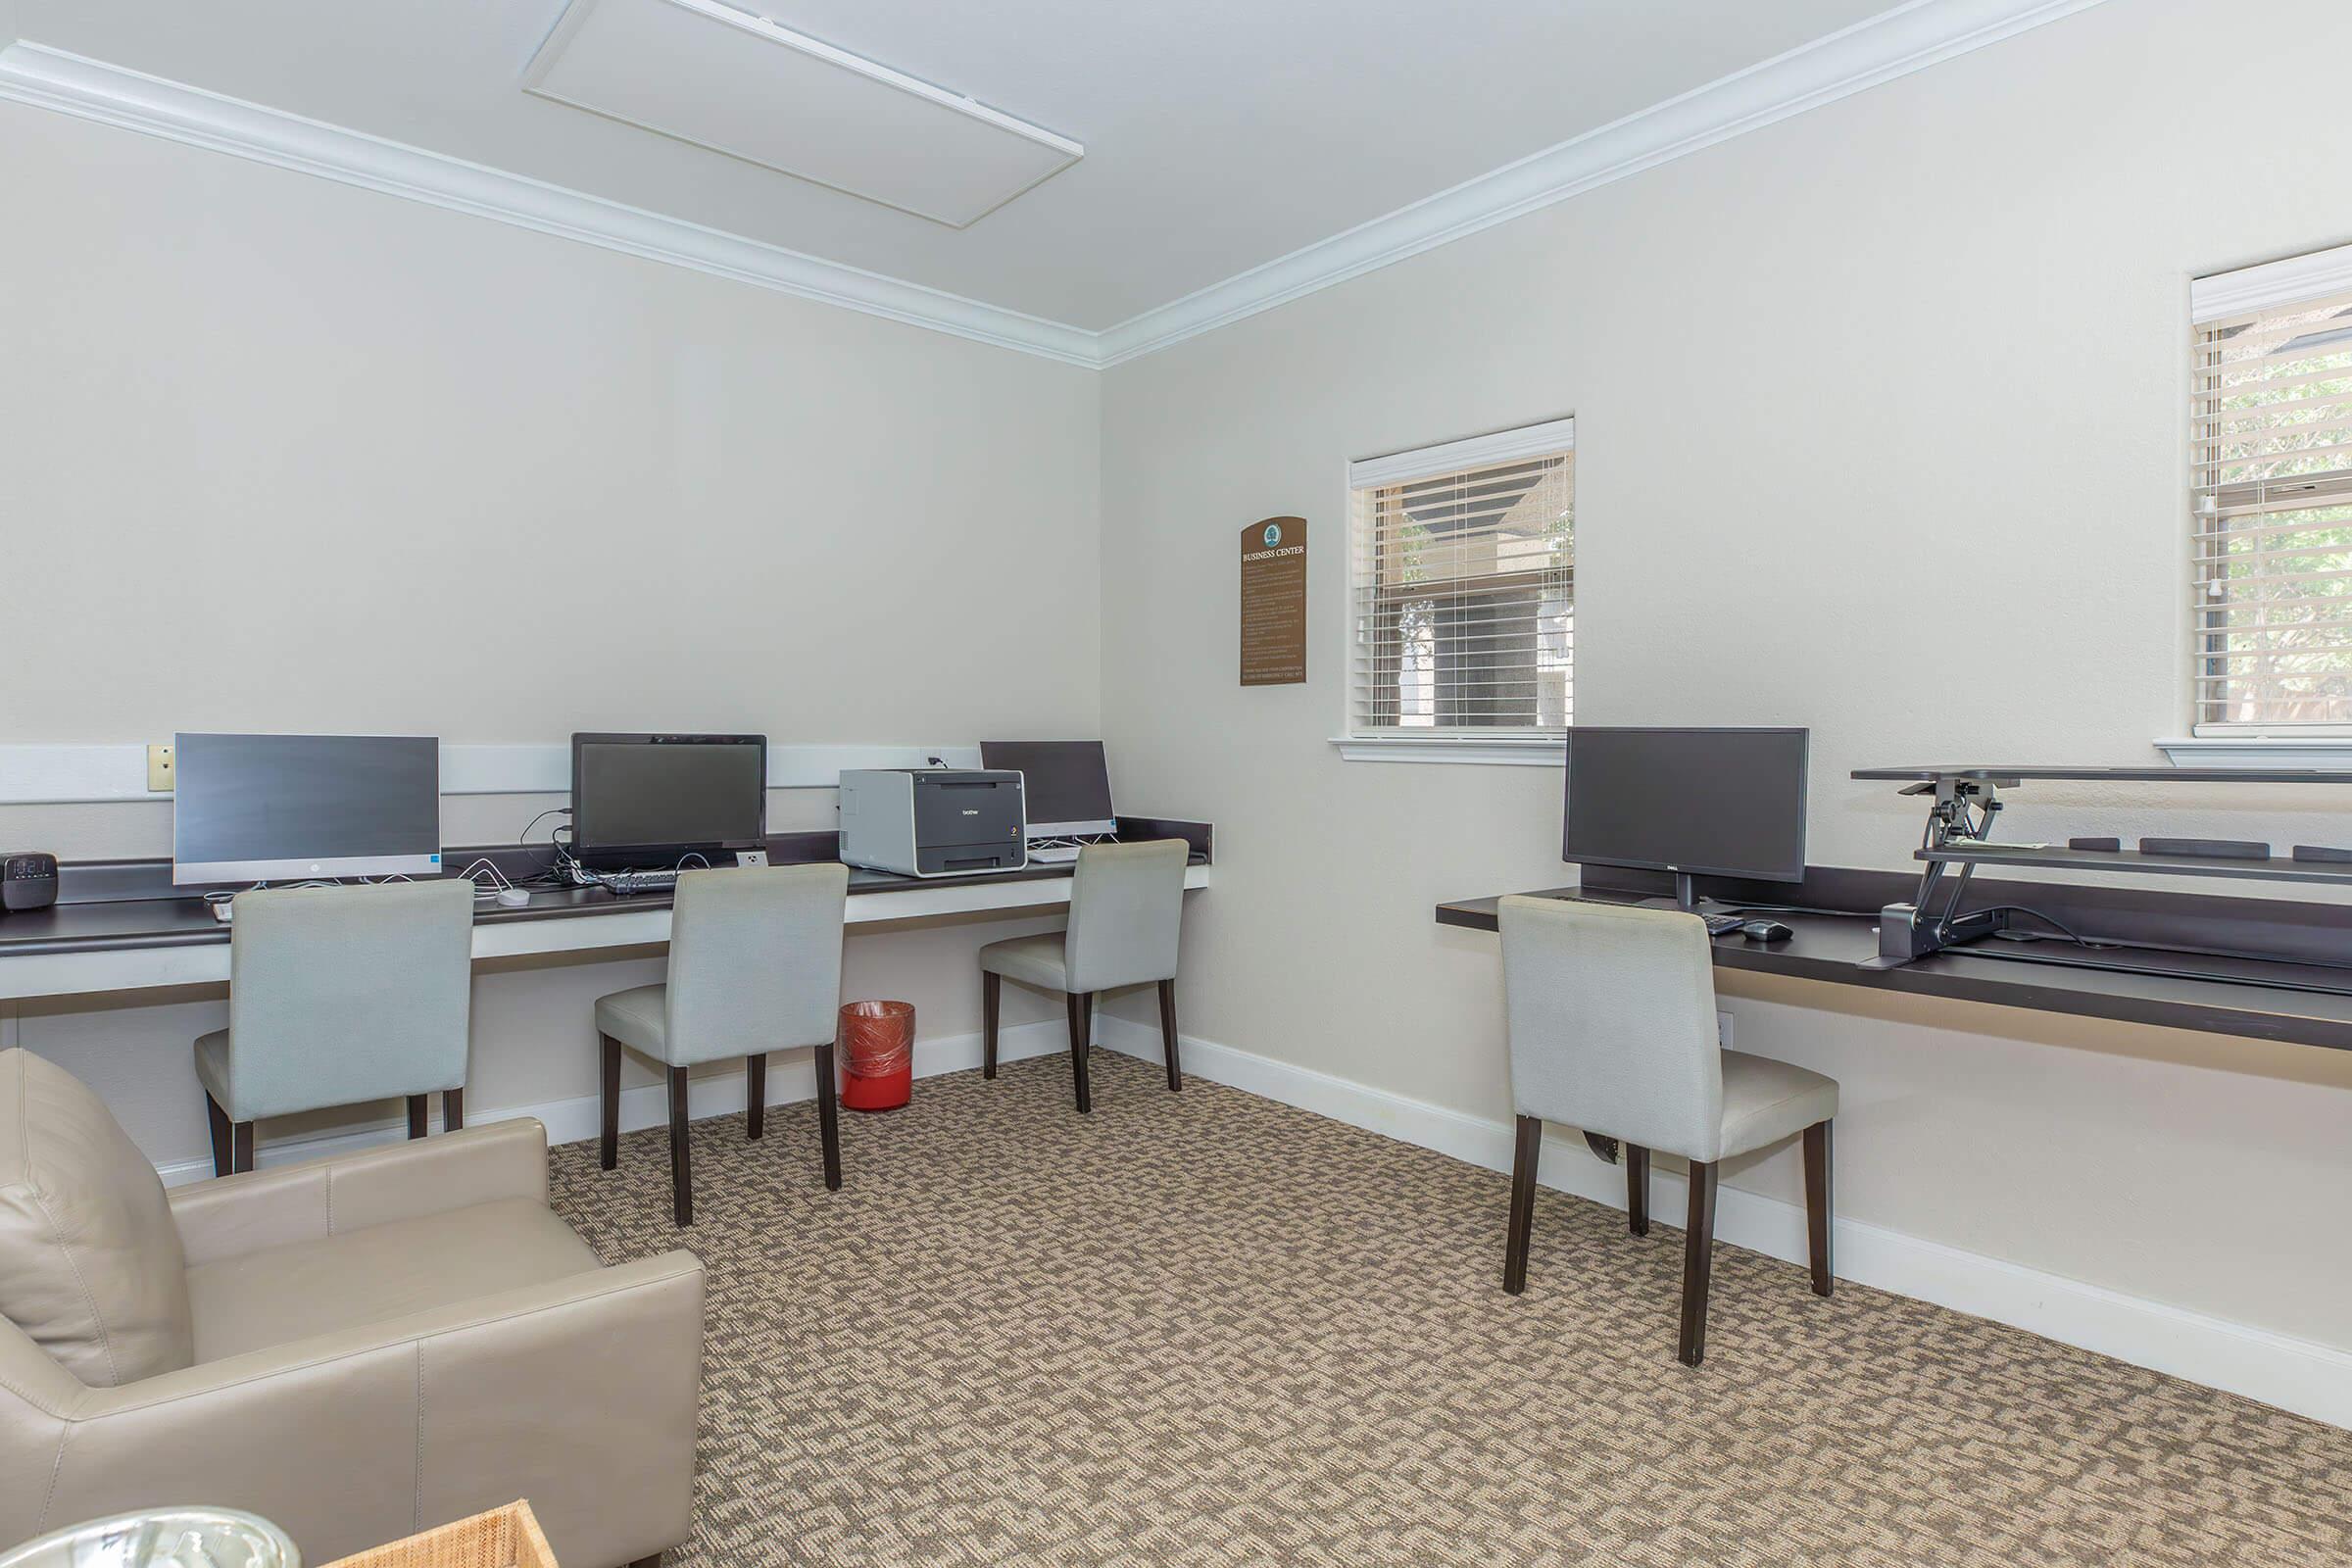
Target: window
2270,498
1463,575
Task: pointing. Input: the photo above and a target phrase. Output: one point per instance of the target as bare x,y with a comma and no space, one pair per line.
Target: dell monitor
261,807
655,799
1065,785
1725,802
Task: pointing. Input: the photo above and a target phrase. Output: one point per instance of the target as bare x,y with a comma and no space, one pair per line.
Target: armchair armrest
578,1393
233,1215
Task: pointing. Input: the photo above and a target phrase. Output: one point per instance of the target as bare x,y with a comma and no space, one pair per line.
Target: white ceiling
1219,134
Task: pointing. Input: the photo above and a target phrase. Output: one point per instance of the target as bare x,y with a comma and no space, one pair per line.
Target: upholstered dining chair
338,996
755,966
1126,909
1611,1016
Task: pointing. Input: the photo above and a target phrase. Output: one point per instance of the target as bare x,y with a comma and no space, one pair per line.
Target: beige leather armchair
357,1349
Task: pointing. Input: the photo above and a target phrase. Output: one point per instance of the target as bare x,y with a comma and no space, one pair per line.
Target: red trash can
877,1047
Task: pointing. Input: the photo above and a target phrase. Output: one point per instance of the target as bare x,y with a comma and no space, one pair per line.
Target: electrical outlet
1723,1030
159,770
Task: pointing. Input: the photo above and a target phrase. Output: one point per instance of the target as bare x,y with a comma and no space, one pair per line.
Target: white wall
1879,424
280,454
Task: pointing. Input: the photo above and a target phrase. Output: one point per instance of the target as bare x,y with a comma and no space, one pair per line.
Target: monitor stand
1686,897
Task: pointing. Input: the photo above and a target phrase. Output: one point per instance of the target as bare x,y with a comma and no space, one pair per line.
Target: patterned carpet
1208,1329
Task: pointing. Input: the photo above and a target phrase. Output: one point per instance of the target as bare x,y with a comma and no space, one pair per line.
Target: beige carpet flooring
1208,1329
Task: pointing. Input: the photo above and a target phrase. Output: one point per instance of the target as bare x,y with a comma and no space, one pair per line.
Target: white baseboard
2298,1375
570,1121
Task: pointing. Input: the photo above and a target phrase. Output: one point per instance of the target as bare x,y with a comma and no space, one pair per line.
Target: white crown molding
1894,43
1910,37
52,79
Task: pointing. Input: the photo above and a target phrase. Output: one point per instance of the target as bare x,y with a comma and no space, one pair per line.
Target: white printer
933,821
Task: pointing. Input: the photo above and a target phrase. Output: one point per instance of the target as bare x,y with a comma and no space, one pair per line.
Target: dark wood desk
2262,998
121,925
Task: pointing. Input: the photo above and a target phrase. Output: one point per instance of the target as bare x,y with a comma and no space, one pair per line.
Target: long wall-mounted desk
2288,975
119,926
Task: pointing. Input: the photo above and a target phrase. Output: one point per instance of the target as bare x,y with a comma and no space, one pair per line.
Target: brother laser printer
936,821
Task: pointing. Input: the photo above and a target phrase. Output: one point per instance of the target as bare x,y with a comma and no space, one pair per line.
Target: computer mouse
1765,931
514,898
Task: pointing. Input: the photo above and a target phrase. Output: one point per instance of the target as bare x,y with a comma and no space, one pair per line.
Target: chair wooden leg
417,1115
1082,1019
1527,1150
992,986
828,1116
1698,1263
218,1120
755,1095
1636,1188
1816,1205
453,1109
241,1156
681,1164
1167,1033
609,1147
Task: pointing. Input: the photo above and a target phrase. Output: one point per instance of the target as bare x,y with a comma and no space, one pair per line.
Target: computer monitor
263,808
1065,785
640,798
1694,801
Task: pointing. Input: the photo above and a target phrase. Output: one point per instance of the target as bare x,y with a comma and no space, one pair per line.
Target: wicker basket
503,1538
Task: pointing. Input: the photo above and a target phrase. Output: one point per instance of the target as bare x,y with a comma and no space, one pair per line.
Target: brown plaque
1274,601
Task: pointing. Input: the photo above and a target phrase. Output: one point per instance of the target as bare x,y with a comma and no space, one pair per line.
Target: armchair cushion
90,1263
355,1278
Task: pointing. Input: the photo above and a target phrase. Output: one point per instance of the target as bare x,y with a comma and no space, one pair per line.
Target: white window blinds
2271,496
1462,564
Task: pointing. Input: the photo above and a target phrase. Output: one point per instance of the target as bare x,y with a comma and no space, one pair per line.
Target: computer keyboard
625,883
1054,854
1723,924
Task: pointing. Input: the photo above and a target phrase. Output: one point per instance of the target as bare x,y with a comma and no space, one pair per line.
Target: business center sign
1274,601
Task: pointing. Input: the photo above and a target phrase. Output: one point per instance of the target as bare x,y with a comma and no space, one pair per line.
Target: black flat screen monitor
652,799
276,807
1695,802
1065,785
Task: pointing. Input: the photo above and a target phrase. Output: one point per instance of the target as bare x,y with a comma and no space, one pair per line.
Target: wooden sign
1274,601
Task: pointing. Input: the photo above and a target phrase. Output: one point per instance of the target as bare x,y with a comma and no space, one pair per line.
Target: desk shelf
2273,869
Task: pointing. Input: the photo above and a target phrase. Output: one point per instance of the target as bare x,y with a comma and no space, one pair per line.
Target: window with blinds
1462,561
2271,497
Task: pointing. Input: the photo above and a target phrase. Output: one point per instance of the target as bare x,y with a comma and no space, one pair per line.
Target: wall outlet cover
159,770
1723,1030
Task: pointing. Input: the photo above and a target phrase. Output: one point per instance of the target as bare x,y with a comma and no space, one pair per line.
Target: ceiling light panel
743,86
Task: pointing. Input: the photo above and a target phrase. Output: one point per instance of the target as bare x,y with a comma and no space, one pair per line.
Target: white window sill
1500,751
2258,750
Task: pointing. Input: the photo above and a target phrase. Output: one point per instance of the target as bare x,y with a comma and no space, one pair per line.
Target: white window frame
2211,298
1397,467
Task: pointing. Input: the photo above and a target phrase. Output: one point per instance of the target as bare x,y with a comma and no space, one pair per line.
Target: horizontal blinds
1464,592
2270,495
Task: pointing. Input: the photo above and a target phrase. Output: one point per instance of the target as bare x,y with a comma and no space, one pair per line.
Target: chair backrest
337,996
1612,1022
754,960
1126,909
91,1269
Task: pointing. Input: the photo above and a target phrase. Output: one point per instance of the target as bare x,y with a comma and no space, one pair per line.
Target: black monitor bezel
621,855
1804,736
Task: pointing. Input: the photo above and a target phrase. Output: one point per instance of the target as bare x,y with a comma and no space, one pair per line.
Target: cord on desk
2065,931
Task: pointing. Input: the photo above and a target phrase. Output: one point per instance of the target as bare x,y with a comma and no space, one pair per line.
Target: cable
2059,926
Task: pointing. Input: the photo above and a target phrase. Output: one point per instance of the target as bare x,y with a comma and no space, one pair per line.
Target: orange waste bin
877,1039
